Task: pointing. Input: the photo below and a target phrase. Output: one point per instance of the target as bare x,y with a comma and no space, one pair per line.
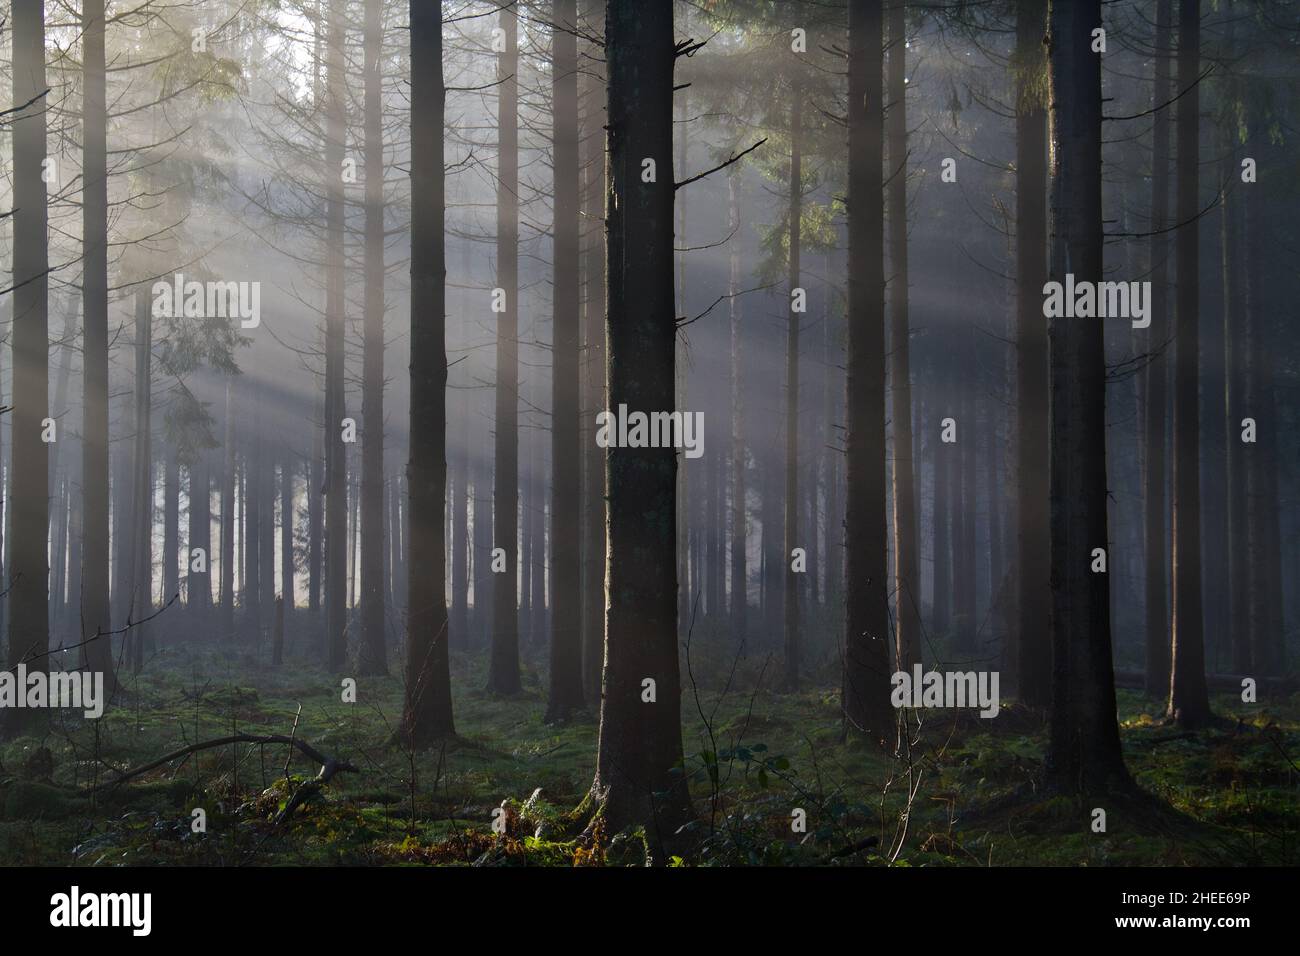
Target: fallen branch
329,765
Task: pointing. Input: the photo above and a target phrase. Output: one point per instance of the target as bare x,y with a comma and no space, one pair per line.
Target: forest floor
1226,796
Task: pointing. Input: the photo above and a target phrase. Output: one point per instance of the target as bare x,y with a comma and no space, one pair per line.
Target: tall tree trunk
503,667
1033,560
1156,377
336,475
460,497
739,513
945,460
640,746
1084,753
967,563
315,520
791,524
1189,701
373,657
252,513
29,496
198,586
171,581
97,655
1235,368
227,522
286,597
427,714
907,596
565,558
142,486
1259,402
866,675
593,316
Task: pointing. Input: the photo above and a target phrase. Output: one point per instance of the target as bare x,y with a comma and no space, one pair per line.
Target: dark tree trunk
198,588
252,514
566,449
739,513
503,669
1189,701
1156,378
1259,402
790,596
427,713
640,748
315,519
227,523
97,656
142,487
336,476
867,634
286,541
1084,753
907,596
373,656
1033,560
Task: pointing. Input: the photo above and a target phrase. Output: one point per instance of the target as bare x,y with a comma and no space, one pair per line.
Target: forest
649,433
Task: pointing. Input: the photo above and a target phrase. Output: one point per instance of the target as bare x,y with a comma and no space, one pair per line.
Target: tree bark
1156,377
640,743
1033,561
790,596
427,713
336,476
866,673
96,656
907,596
503,664
373,656
1189,701
1084,753
565,557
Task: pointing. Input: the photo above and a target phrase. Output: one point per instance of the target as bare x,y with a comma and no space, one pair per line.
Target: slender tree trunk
252,512
97,655
866,672
1156,378
336,476
315,520
791,524
373,657
29,497
566,448
1235,370
460,497
945,456
1264,554
640,746
1189,701
503,669
227,522
171,581
593,264
1033,560
739,513
287,591
907,597
427,714
142,485
1084,753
